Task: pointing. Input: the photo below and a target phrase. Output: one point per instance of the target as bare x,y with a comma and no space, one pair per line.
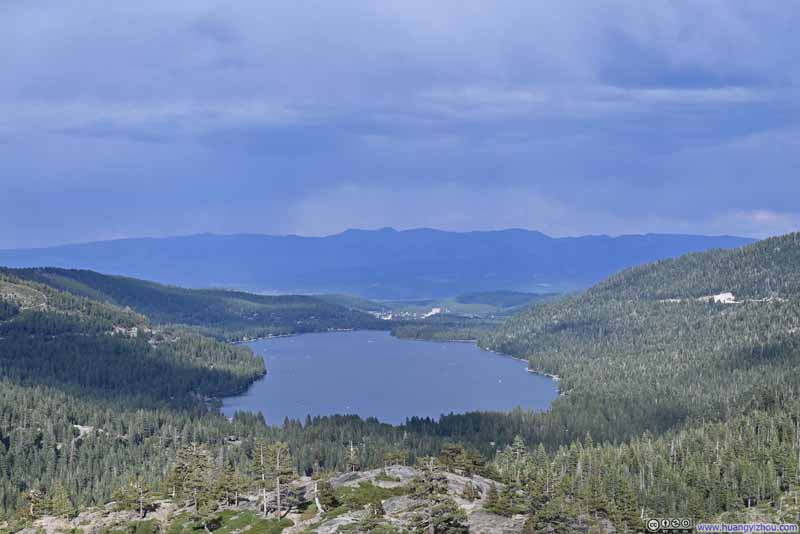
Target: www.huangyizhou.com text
747,527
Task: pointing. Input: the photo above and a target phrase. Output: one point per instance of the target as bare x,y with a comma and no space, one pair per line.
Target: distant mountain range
382,264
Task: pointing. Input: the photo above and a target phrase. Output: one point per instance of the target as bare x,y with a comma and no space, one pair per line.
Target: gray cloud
162,118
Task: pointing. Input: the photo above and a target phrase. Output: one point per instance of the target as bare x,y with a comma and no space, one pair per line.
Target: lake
372,374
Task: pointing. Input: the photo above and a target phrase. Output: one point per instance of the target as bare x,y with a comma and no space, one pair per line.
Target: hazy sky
156,118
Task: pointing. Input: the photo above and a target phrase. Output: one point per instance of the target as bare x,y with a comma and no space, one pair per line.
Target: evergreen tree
273,468
142,495
326,496
124,499
451,457
506,502
470,492
261,470
61,504
627,509
435,512
38,503
518,453
226,484
353,458
371,522
395,456
135,496
232,484
492,498
551,519
197,482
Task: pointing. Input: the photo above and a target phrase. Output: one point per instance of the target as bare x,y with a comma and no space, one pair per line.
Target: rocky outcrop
398,510
481,522
100,519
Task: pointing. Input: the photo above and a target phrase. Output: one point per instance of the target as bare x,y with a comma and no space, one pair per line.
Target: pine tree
536,488
185,459
470,492
326,496
198,479
200,485
273,467
134,496
505,502
4,466
226,485
206,508
518,453
471,462
492,498
596,500
436,512
38,503
261,470
61,504
232,485
395,456
353,460
551,519
451,457
123,499
371,522
627,509
142,496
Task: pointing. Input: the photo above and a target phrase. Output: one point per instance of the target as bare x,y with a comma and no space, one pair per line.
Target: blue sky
569,117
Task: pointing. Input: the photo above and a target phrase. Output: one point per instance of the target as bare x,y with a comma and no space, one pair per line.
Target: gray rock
481,522
403,474
398,505
332,526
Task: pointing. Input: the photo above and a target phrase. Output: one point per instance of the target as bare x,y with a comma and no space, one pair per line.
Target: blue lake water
373,374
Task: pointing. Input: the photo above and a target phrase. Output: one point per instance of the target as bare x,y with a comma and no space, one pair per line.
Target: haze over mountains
373,263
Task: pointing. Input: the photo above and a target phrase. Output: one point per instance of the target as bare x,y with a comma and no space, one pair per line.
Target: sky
152,118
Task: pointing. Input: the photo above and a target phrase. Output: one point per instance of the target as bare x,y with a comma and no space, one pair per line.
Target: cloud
757,223
452,206
588,101
175,118
216,27
568,117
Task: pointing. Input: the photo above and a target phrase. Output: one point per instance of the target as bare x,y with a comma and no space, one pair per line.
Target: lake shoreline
458,380
554,378
295,334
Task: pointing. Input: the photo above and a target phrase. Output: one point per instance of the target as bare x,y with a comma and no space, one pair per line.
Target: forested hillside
673,405
645,351
92,395
71,366
650,351
229,315
764,270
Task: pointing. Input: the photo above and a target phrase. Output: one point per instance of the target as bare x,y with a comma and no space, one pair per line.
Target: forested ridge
93,394
225,314
650,352
68,362
672,405
645,351
763,270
